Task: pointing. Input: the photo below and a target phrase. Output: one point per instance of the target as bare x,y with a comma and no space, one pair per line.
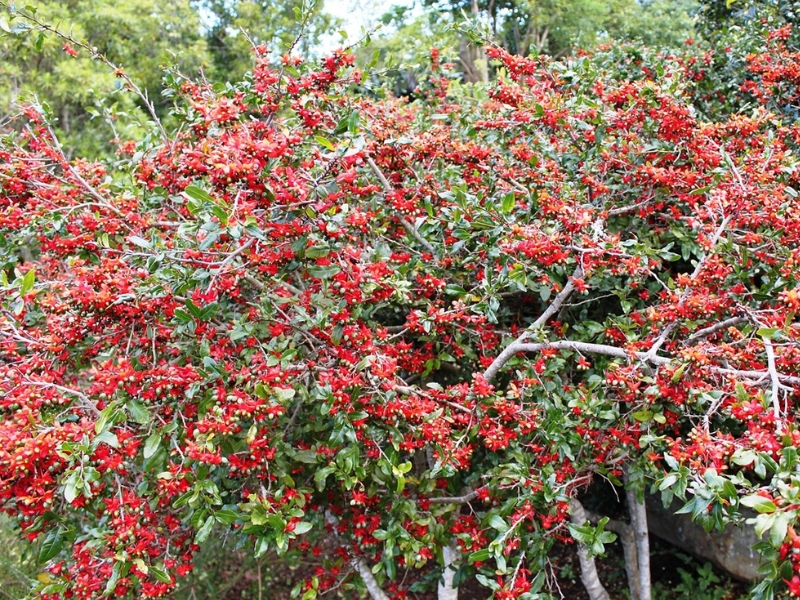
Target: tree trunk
589,576
473,58
360,565
628,540
638,514
446,589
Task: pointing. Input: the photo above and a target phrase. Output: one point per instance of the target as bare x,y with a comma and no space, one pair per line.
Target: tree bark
638,514
473,58
628,540
589,576
375,591
446,589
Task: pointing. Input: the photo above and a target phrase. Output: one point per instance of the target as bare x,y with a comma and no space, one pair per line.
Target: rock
729,550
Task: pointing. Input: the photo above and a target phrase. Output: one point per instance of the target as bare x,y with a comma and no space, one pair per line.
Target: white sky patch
357,16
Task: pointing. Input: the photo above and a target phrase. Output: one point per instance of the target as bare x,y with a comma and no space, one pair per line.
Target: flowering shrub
398,335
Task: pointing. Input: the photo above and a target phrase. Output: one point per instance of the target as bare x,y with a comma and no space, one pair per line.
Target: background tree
276,24
403,336
140,37
556,26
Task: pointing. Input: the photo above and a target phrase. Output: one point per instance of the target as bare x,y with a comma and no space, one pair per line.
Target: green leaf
111,584
324,142
701,190
741,392
28,282
779,529
676,377
151,445
51,545
743,457
71,487
306,456
139,412
317,251
310,594
643,415
106,437
141,565
452,289
759,503
284,394
139,241
195,193
303,527
262,545
226,516
323,272
321,475
479,556
768,332
258,517
353,122
161,574
105,418
204,531
509,200
498,523
276,522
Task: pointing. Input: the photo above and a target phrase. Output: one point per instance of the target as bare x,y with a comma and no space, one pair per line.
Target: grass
18,567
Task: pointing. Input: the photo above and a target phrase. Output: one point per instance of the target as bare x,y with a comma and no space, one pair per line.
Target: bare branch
260,285
589,348
508,352
408,391
465,499
776,383
446,590
65,390
638,514
374,589
628,540
705,332
685,295
618,352
408,226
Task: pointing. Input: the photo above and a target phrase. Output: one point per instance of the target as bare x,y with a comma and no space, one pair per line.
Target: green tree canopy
275,24
140,36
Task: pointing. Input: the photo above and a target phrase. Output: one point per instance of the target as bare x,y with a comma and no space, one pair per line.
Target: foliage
88,111
558,26
704,585
236,25
397,336
17,567
740,39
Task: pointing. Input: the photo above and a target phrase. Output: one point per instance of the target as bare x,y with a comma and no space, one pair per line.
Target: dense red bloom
322,321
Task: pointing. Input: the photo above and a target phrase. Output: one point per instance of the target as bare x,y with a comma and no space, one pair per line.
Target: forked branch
387,187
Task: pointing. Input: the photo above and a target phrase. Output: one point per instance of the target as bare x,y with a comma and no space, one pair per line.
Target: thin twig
408,226
701,333
776,383
510,351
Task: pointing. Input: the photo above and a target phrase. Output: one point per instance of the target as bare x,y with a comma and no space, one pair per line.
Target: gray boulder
729,550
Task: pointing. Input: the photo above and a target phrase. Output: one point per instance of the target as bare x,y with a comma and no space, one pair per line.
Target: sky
356,15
